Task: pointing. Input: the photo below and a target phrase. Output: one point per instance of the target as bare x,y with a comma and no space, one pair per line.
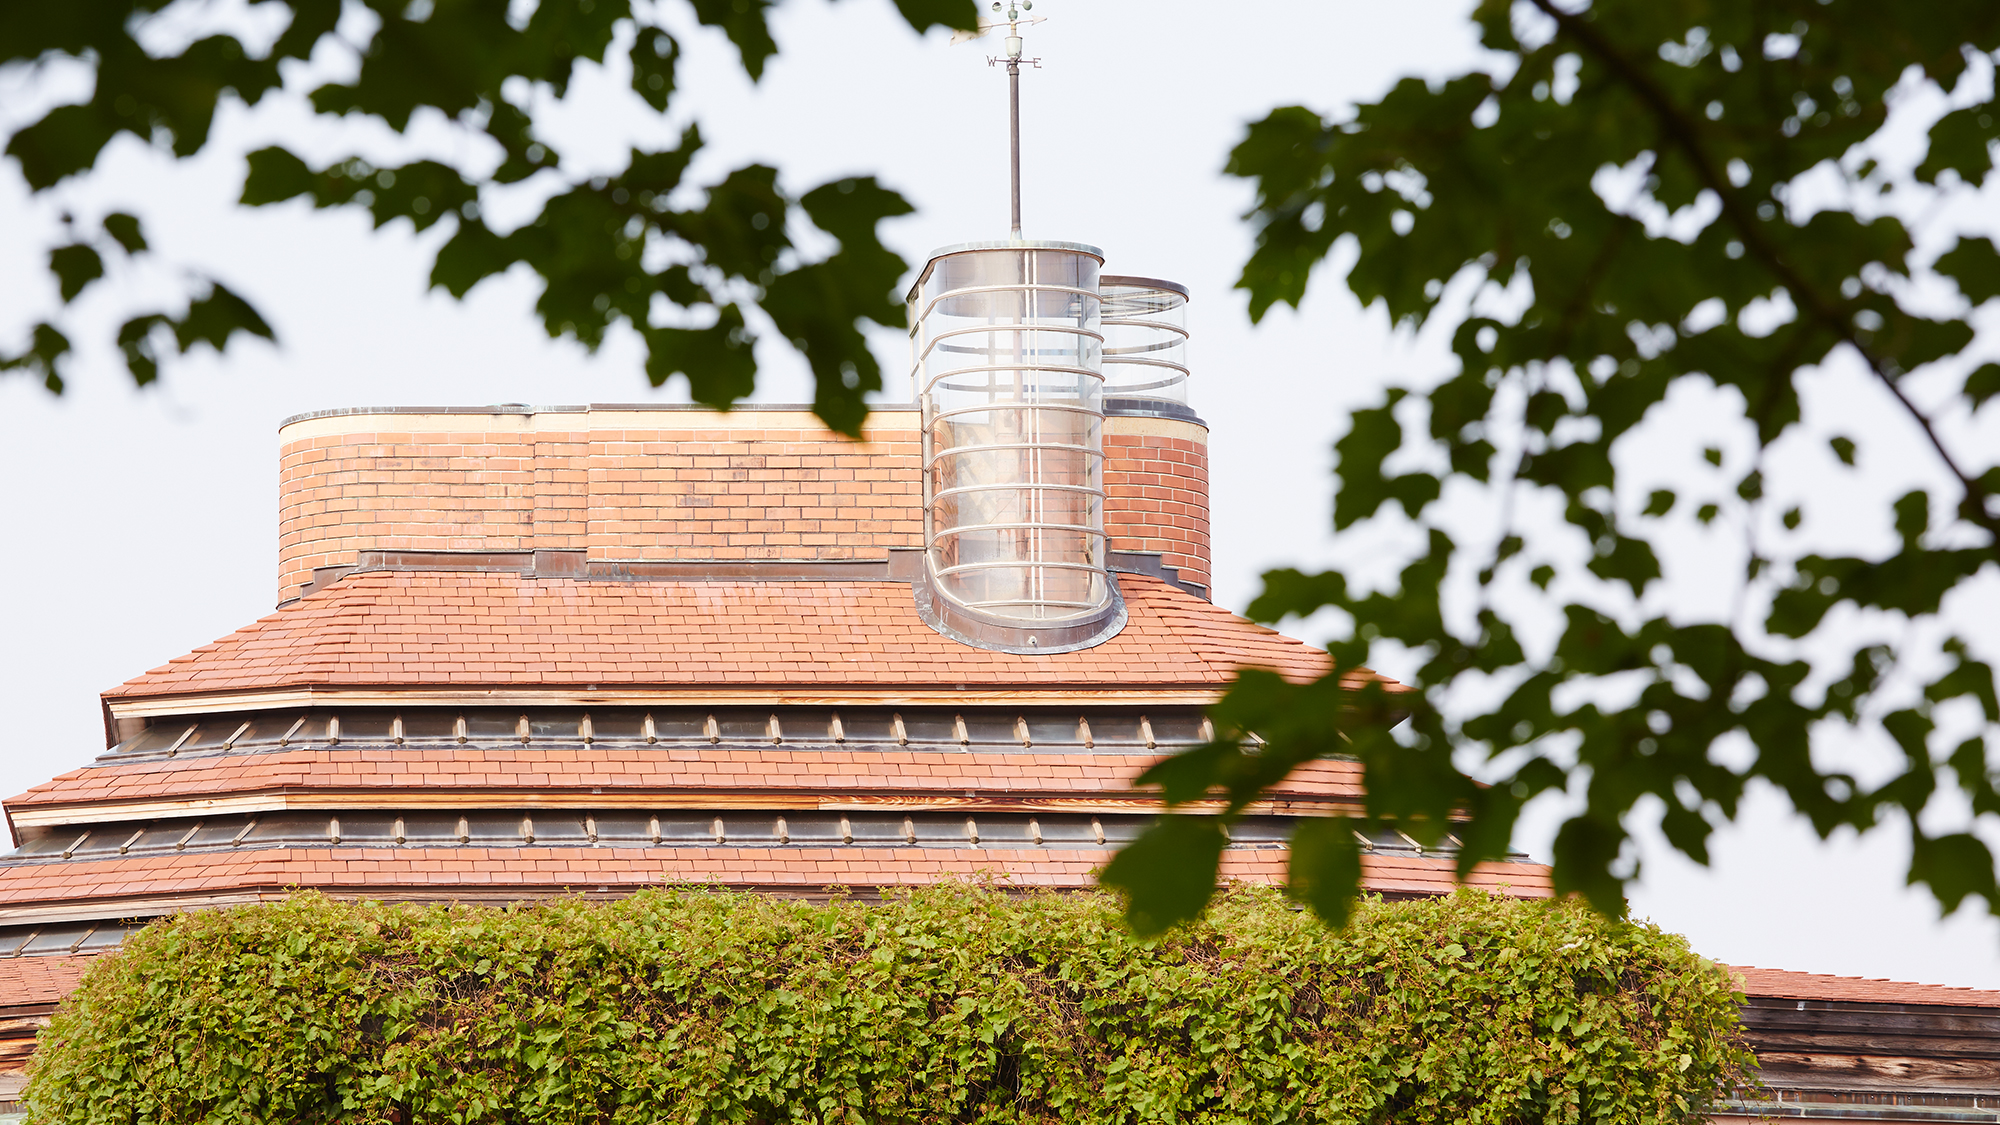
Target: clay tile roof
816,770
1783,984
519,872
441,629
40,980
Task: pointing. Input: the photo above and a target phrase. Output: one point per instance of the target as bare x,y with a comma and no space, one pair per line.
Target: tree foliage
1644,197
681,267
951,1004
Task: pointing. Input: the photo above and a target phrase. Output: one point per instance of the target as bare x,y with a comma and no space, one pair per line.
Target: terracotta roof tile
40,980
441,629
438,871
900,772
1787,985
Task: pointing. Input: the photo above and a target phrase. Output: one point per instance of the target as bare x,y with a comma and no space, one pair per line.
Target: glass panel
620,726
492,726
1009,354
430,726
366,726
1145,341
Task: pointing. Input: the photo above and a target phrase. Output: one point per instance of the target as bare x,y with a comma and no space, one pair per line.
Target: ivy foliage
955,1003
1646,196
680,266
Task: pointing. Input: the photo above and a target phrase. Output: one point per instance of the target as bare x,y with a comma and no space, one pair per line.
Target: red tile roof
443,629
802,771
1787,985
40,980
443,871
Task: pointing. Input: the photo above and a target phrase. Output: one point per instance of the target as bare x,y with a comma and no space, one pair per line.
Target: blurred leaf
471,63
1975,265
747,24
1962,142
1326,867
75,267
962,15
654,54
124,229
1168,874
42,357
717,360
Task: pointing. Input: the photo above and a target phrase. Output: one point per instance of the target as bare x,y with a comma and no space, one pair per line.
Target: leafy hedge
951,1004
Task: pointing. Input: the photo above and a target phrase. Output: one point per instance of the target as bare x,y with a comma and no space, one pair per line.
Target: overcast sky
140,524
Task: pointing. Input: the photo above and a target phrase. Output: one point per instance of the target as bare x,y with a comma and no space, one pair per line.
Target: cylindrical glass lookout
1007,360
1145,342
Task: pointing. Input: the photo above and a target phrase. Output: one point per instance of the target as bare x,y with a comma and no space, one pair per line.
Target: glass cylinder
1008,366
1145,340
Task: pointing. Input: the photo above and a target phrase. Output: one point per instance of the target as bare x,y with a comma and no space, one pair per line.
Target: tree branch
1684,133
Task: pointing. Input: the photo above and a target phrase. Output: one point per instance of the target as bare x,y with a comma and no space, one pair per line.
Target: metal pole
1014,137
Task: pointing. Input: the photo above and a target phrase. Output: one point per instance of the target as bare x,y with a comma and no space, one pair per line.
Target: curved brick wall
625,483
1156,490
621,483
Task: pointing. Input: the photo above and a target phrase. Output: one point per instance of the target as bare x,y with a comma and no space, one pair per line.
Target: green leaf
1168,874
1955,866
1325,868
820,307
213,319
1585,849
1843,447
124,229
961,15
747,24
42,357
1913,515
1962,142
75,267
1982,384
473,254
717,360
276,175
1190,775
1660,502
135,340
64,142
654,54
1975,265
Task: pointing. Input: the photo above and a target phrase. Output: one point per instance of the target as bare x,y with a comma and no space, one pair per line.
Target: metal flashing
579,408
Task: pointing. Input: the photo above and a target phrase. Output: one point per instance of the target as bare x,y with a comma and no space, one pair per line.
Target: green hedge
953,1004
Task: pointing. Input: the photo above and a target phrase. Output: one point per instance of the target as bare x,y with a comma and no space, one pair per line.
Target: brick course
619,484
1156,491
394,872
624,484
826,772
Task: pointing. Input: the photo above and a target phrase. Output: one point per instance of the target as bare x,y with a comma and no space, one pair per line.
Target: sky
141,523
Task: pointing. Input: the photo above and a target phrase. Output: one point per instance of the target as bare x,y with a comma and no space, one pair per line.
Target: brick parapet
1156,491
625,484
620,484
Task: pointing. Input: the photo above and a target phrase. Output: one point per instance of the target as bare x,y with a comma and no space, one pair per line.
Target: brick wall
1156,490
618,483
628,484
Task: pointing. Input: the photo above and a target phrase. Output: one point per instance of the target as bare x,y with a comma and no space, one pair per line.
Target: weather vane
1011,19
